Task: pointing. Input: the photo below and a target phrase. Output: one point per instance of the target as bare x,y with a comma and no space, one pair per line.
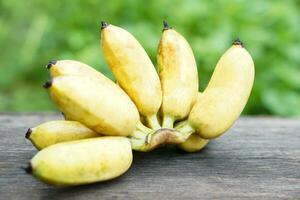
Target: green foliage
33,32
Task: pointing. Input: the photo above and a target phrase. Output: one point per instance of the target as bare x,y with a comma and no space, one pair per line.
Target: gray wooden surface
259,158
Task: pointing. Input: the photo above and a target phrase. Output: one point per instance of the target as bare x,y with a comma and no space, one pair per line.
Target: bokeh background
32,32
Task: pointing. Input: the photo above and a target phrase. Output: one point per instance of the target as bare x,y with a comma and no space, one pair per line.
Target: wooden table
259,158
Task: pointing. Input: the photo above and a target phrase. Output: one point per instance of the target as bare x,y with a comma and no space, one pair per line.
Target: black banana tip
104,25
28,133
48,84
51,62
237,41
166,25
28,168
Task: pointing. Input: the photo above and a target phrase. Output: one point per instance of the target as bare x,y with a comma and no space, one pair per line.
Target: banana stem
138,145
153,122
168,122
163,136
185,129
138,140
145,139
141,127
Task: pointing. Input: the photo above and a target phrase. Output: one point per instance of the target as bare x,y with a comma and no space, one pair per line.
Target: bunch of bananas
144,109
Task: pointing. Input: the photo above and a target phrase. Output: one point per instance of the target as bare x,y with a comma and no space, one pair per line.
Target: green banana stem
141,127
153,122
185,129
168,121
138,140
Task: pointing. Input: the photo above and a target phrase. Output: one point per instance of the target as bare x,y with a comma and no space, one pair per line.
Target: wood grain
259,158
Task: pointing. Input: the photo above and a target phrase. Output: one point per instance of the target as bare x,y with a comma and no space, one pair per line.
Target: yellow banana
82,161
178,75
53,132
225,96
75,68
72,67
133,70
98,103
193,143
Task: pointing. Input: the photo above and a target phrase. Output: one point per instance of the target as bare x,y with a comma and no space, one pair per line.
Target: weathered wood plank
259,158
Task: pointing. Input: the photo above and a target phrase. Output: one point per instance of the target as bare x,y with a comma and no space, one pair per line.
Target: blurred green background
33,32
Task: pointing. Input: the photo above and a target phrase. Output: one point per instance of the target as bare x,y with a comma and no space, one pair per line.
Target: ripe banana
72,67
53,132
71,151
83,161
133,70
75,68
178,75
193,143
225,96
98,103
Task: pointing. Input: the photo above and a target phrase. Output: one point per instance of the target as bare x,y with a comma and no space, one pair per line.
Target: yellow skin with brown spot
83,161
99,104
178,75
54,132
133,70
225,96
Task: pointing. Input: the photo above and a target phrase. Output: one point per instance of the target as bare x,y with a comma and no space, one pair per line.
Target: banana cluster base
259,158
